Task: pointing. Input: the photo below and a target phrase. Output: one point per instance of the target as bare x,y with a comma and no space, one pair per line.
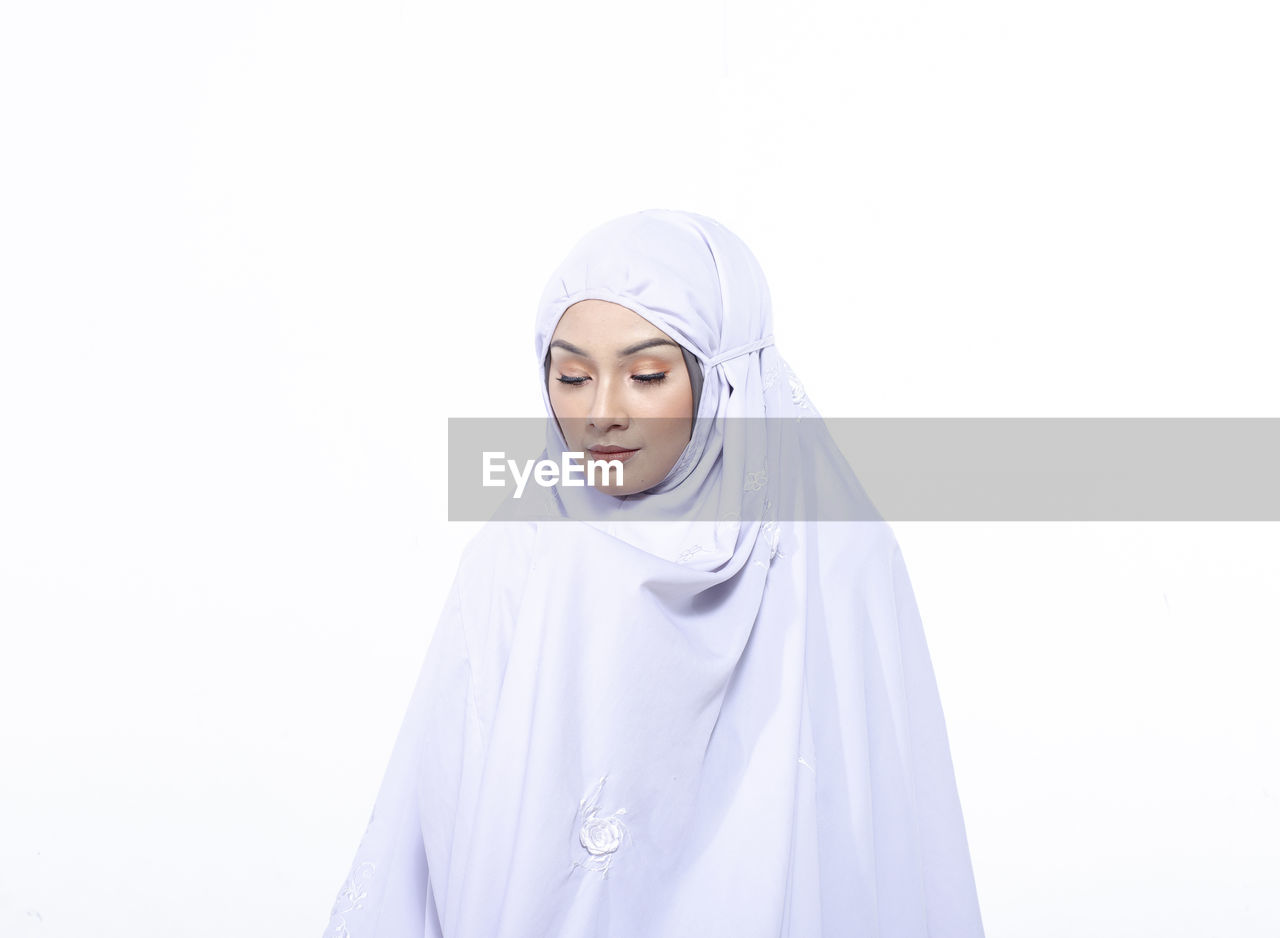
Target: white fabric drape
723,723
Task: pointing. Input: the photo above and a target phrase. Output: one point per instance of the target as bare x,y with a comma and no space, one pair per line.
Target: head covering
724,722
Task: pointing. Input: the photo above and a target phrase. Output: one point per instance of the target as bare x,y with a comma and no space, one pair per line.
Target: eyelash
651,379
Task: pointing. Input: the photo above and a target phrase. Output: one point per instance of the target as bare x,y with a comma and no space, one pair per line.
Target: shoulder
493,574
490,584
499,549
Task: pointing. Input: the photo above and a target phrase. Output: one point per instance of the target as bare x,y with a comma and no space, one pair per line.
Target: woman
671,705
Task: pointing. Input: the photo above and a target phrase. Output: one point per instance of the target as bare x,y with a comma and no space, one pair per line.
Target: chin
620,490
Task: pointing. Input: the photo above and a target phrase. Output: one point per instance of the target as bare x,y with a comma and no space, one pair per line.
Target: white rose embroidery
600,836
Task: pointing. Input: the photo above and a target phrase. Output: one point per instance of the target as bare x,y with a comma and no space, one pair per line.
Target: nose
608,407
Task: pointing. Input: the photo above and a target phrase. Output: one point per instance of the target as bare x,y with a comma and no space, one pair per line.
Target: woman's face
617,382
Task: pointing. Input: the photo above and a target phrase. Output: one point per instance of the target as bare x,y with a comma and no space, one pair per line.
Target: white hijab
724,722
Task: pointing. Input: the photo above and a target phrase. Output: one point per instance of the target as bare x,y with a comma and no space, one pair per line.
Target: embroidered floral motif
771,533
770,376
687,554
600,836
350,898
797,391
354,892
756,481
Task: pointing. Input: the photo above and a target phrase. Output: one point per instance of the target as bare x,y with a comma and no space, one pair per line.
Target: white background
254,255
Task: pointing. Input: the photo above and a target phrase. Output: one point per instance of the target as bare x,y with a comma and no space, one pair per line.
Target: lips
620,453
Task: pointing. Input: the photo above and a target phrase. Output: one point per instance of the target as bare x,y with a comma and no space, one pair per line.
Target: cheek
672,427
564,402
672,403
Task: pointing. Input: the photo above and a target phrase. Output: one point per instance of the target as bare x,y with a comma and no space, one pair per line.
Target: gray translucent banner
931,469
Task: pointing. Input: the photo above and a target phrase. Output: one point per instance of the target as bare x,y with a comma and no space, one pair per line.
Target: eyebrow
622,353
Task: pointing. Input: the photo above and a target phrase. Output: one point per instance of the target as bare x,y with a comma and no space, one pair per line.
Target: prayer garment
692,711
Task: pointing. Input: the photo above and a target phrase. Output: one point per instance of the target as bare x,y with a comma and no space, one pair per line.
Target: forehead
599,320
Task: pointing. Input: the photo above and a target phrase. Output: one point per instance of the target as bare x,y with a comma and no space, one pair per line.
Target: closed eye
654,378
